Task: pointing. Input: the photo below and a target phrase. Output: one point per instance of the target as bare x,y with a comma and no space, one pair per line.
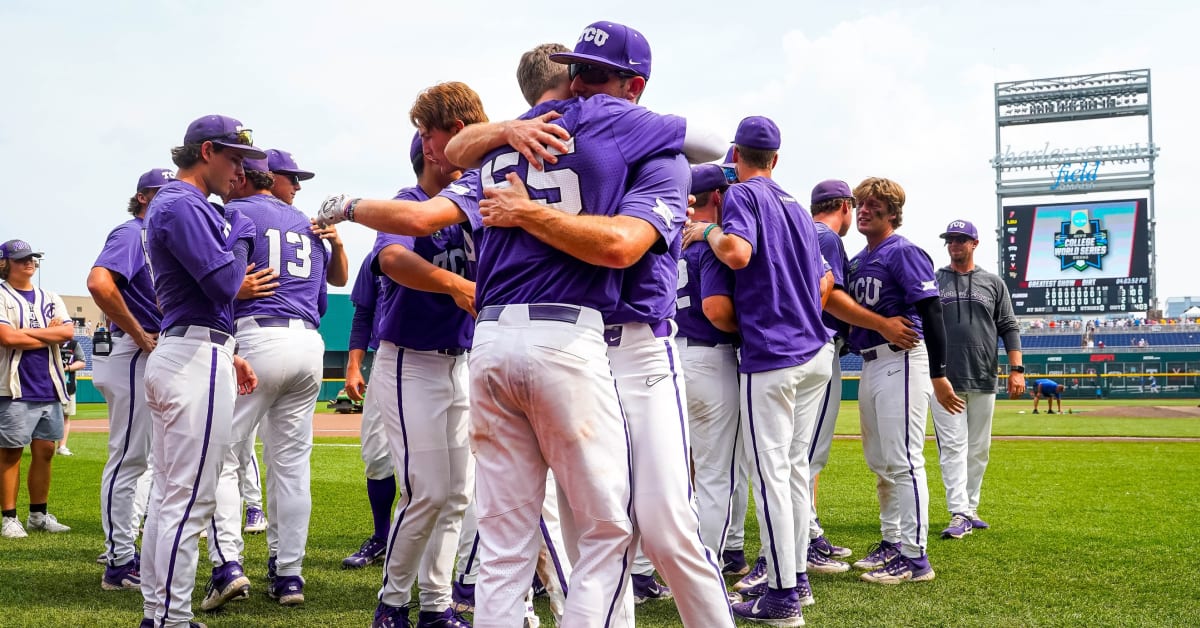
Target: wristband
707,229
1016,368
350,209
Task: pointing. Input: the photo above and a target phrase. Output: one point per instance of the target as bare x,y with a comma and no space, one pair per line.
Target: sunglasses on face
958,240
26,260
594,74
294,178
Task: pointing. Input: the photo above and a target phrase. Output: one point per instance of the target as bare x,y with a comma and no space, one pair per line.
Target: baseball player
1049,389
707,340
780,283
831,206
198,261
278,332
976,309
33,325
73,362
121,285
528,403
890,277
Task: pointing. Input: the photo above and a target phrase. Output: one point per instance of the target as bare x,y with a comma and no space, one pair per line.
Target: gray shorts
21,422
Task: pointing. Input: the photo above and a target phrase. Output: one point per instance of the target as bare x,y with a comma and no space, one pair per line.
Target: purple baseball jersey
187,240
834,253
364,328
124,255
34,369
609,136
777,296
419,320
283,240
657,195
701,275
889,281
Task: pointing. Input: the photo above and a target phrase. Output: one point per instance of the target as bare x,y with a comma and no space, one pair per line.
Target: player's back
284,241
608,136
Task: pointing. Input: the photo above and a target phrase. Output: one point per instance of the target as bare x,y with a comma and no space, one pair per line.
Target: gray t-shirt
976,310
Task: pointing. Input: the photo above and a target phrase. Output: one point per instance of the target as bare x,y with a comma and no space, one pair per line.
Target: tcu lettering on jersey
866,290
595,35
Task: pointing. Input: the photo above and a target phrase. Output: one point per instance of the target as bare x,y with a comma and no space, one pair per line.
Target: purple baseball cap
728,163
613,45
224,131
961,227
154,179
416,150
282,162
757,132
17,249
831,189
707,177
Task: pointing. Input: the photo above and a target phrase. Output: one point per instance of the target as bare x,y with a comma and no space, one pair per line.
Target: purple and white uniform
895,389
119,377
650,384
540,373
419,381
367,297
198,261
278,335
710,370
785,362
834,253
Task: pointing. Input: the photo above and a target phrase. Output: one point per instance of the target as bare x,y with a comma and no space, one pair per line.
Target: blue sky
97,93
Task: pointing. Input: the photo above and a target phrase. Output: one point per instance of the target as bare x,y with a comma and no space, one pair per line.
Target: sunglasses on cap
595,74
245,137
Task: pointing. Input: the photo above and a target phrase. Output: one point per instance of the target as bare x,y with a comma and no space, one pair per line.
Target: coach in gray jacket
977,310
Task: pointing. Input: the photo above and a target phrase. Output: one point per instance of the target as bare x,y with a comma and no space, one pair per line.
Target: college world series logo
1082,243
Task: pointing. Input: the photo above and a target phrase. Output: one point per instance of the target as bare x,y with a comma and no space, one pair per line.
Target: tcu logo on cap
594,35
958,224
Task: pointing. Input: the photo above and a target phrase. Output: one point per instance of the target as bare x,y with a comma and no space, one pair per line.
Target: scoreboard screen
1077,258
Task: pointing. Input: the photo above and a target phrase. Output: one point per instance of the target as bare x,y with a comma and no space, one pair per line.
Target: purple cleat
646,588
775,608
878,555
289,590
372,550
960,526
391,617
256,521
445,619
756,576
825,548
228,583
733,562
803,590
979,524
901,569
119,577
822,563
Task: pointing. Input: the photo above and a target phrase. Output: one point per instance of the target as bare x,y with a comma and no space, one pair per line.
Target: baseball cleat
775,608
12,529
803,590
391,617
829,549
878,555
1035,411
120,577
756,575
256,521
820,563
445,619
463,596
646,588
228,583
733,563
1049,412
979,524
45,521
102,559
901,569
372,550
960,526
289,590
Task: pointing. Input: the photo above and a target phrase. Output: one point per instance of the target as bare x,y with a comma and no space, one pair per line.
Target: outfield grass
1084,533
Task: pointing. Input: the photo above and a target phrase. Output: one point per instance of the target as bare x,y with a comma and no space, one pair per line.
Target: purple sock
381,493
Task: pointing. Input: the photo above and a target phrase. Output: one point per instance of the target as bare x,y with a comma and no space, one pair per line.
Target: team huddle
588,354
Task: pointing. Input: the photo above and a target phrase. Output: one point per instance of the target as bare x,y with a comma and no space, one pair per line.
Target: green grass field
1083,533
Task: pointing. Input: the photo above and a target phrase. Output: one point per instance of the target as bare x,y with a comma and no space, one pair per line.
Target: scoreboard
1077,258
